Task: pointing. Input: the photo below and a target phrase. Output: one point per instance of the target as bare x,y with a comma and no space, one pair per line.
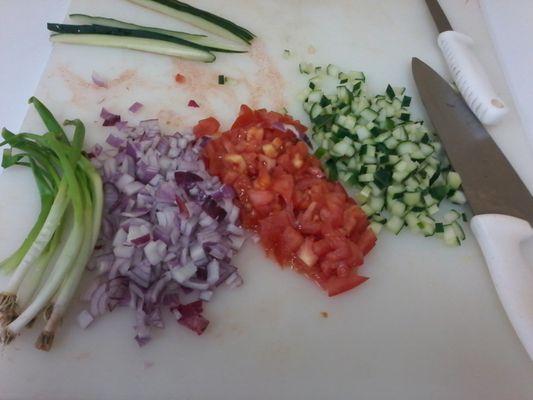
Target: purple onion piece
135,107
109,118
99,80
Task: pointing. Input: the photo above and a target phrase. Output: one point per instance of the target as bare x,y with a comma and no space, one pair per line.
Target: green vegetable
199,18
371,143
97,35
51,261
203,40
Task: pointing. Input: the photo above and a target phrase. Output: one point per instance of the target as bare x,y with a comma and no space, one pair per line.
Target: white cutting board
427,325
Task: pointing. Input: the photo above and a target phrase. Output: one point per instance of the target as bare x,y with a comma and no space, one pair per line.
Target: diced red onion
135,107
139,235
195,284
120,237
95,300
109,118
197,252
123,181
184,273
99,80
155,251
167,234
193,104
132,188
85,319
213,272
150,127
124,251
115,141
206,295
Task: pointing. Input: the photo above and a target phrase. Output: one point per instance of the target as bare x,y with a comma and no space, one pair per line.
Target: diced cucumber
306,68
372,143
395,224
333,71
396,208
454,180
369,114
376,227
377,203
451,216
450,236
458,197
362,132
315,111
412,198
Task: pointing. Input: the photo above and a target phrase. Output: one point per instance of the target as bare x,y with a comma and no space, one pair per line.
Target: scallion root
6,337
45,340
8,302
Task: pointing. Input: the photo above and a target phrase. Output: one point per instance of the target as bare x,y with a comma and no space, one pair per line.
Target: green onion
49,264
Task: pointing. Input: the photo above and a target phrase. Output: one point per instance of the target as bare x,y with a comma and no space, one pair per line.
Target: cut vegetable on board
169,229
303,220
371,143
202,40
134,39
110,32
199,18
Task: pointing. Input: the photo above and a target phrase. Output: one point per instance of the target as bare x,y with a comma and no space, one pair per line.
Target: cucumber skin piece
134,43
120,32
199,18
201,40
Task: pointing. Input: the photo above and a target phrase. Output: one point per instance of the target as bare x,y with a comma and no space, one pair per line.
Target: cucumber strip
202,40
199,18
122,32
135,43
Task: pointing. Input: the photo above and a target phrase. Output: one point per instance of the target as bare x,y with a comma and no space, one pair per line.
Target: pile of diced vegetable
372,143
168,232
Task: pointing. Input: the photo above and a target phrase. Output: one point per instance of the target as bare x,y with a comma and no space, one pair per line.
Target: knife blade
468,73
502,204
471,150
440,18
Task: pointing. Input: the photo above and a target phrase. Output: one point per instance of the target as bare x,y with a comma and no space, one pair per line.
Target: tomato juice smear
303,219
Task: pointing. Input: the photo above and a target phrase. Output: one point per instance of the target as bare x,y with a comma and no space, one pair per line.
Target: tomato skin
367,241
335,285
303,219
206,127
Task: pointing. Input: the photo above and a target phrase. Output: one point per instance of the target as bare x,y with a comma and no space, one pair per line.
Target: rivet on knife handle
471,78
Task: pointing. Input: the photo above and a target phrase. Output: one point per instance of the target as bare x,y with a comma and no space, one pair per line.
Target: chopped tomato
303,219
367,241
179,78
336,285
208,126
260,197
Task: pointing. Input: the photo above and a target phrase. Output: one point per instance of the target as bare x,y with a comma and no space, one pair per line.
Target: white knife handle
471,78
499,237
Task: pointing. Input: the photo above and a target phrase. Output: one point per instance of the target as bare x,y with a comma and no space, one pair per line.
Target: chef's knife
468,73
502,205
